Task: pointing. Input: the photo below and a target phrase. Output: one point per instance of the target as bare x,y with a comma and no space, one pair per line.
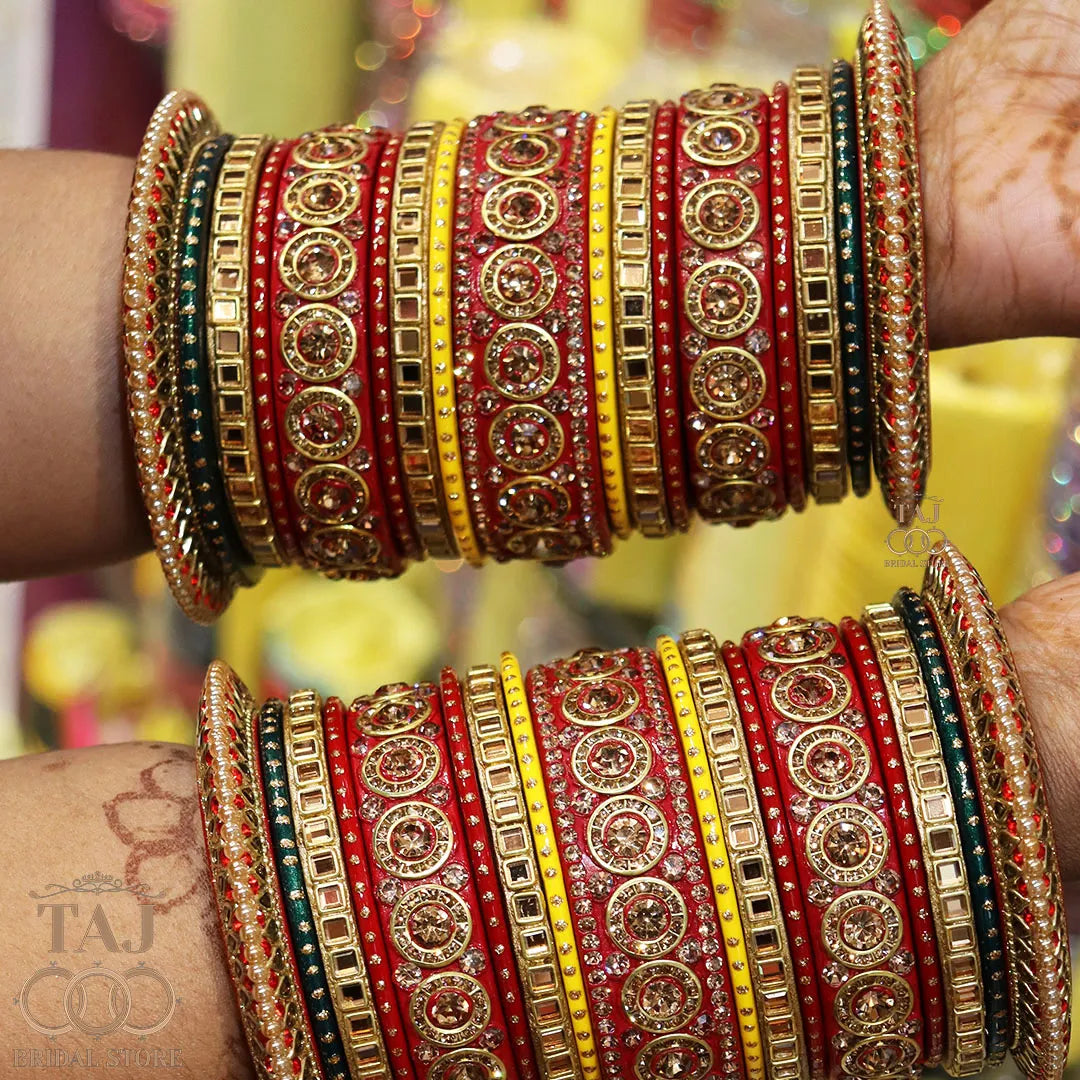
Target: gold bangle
601,317
935,817
414,406
245,884
442,350
543,832
634,346
228,324
814,236
747,842
716,854
519,874
327,884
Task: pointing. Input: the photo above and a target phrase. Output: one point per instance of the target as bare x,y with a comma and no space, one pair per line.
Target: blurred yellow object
164,723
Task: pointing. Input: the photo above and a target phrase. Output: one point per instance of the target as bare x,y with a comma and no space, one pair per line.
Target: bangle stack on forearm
822,852
526,335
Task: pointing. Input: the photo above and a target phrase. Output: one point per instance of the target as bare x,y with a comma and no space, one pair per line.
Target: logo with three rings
97,1001
923,537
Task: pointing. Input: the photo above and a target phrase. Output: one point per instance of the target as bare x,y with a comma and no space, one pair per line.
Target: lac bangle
783,858
631,847
228,333
845,848
665,314
1021,838
389,462
816,283
329,896
888,678
196,404
319,327
519,877
495,923
949,820
423,884
442,346
786,300
542,829
895,260
234,815
851,297
742,822
602,320
180,122
726,306
414,403
289,863
262,375
717,859
358,865
634,357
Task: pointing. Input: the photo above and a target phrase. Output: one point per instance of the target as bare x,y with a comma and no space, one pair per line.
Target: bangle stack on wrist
824,852
524,335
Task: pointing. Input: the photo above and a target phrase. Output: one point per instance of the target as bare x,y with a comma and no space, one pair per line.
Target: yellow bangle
602,318
448,443
543,830
708,814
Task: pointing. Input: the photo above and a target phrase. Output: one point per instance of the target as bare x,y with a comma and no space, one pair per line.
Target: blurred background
107,657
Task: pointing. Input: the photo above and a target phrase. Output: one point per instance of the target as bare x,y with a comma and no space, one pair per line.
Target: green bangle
960,769
196,403
294,898
858,405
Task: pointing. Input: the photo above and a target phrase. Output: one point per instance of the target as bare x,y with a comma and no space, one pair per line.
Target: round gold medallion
873,1003
526,438
431,926
317,263
318,342
847,844
737,500
598,704
661,996
401,766
795,641
611,760
518,281
449,1009
553,546
733,451
828,762
727,383
646,917
588,665
331,149
331,494
883,1056
719,214
322,423
531,118
723,299
467,1064
522,361
322,198
810,693
862,929
343,548
720,140
534,502
673,1057
524,153
627,835
412,840
392,710
520,208
722,99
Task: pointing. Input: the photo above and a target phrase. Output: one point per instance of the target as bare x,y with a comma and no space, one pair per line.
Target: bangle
717,859
542,828
634,338
179,123
851,297
783,859
953,803
479,843
786,300
196,408
814,250
895,261
1021,838
262,965
724,745
358,865
665,310
519,875
729,359
228,334
888,678
602,318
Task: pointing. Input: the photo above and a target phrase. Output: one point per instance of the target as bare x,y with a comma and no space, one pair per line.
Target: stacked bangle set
822,852
528,334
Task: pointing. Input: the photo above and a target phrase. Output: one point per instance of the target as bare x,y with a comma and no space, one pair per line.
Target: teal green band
294,898
961,772
197,410
858,406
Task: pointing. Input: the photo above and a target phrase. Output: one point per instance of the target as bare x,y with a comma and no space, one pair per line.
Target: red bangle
522,337
262,238
726,321
783,858
484,867
359,870
787,352
631,846
833,792
320,353
909,848
424,886
665,318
